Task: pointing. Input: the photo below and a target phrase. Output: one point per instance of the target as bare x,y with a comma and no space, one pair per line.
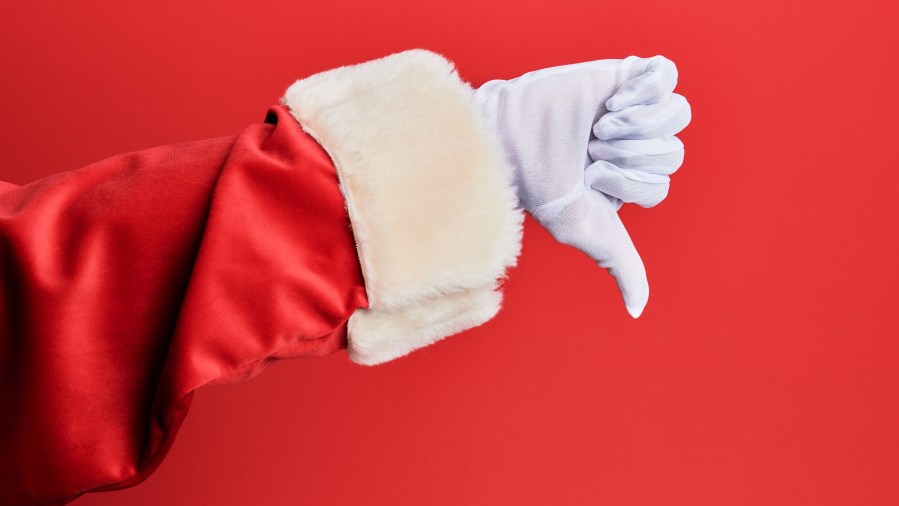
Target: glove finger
611,246
619,183
651,85
664,118
659,155
590,223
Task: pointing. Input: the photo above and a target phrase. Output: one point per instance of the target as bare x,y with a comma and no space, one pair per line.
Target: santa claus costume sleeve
371,211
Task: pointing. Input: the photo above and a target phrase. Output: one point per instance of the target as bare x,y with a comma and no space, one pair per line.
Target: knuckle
654,198
678,160
666,67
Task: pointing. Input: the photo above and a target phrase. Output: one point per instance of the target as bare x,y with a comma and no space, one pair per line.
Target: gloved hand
584,138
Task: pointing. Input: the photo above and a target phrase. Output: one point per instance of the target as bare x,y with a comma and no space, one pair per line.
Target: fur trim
431,201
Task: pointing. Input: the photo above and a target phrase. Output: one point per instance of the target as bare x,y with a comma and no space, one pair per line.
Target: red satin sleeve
128,284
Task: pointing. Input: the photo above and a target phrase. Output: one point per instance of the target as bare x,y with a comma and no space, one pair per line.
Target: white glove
584,138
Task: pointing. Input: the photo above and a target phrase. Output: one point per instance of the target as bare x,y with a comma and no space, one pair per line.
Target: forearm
129,283
132,282
376,210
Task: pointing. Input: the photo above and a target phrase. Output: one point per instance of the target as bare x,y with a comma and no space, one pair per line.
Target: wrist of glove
582,140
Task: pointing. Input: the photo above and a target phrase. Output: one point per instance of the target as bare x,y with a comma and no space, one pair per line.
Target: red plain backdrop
764,370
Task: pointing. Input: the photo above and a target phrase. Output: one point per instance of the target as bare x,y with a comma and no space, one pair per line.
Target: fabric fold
432,204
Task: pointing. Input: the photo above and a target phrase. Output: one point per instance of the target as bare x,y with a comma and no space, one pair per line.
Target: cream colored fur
430,199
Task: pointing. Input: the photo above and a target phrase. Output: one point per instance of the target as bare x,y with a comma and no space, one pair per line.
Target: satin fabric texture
129,283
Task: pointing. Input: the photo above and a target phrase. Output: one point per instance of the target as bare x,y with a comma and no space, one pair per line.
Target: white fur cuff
430,199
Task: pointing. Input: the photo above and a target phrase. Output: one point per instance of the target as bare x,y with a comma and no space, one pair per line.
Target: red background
764,370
